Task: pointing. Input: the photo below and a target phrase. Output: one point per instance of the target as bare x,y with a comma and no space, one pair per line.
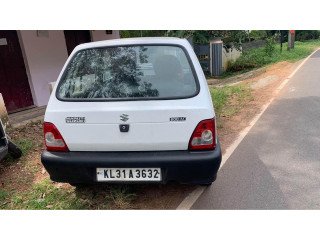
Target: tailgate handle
124,127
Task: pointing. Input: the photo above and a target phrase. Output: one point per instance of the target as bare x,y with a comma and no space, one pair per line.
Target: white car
131,110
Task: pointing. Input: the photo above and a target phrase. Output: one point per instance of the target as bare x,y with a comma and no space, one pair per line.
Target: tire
14,150
206,184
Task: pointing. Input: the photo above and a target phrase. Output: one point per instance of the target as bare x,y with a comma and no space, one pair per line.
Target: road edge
188,201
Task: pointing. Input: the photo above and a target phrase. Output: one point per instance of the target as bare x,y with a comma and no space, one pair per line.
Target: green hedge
258,57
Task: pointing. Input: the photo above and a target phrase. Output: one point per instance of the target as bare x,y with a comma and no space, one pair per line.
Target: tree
229,37
303,35
257,34
142,33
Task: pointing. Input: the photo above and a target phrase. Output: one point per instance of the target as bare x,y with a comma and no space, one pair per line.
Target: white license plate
128,174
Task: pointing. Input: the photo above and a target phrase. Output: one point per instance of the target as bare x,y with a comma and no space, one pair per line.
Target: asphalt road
277,164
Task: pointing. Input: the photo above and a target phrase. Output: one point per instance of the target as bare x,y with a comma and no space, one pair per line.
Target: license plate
128,174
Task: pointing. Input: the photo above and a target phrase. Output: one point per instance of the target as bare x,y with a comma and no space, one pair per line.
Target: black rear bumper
178,166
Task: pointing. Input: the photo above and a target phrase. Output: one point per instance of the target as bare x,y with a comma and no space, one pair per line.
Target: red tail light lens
53,139
204,136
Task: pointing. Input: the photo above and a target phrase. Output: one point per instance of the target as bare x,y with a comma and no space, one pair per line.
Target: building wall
45,53
44,56
99,35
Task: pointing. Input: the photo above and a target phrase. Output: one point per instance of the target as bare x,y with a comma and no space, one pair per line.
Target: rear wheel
209,183
206,184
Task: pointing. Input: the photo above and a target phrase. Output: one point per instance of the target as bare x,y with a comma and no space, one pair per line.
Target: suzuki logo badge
124,117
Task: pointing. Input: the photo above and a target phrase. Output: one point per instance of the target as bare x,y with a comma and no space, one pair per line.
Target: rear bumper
178,166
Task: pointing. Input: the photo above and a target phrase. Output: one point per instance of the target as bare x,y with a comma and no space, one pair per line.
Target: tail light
53,139
204,136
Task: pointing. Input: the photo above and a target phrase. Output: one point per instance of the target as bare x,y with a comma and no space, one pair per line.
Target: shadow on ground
133,196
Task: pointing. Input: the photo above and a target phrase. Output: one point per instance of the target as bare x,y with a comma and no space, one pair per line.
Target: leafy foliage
270,46
301,35
142,33
204,36
236,36
257,34
304,35
258,57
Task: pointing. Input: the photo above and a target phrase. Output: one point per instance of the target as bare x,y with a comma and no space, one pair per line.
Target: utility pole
282,35
291,38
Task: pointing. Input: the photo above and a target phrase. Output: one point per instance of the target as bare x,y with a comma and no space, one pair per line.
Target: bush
248,60
258,57
258,34
270,46
304,35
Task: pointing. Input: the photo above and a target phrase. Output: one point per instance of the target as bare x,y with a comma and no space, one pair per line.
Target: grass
26,145
229,100
26,187
257,57
46,195
3,195
121,197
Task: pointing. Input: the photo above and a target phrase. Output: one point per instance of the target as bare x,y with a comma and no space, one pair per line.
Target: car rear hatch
151,91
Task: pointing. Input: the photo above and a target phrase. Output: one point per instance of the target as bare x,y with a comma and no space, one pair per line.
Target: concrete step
21,118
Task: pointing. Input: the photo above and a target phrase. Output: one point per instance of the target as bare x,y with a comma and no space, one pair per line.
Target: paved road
277,165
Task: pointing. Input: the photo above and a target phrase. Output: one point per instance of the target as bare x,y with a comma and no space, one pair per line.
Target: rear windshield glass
128,72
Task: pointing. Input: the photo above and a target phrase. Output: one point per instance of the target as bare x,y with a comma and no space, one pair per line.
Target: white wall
99,35
44,57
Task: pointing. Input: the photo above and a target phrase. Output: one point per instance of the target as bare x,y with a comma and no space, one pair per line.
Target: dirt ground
260,96
20,175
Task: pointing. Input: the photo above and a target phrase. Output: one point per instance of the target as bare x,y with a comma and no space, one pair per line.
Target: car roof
132,41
